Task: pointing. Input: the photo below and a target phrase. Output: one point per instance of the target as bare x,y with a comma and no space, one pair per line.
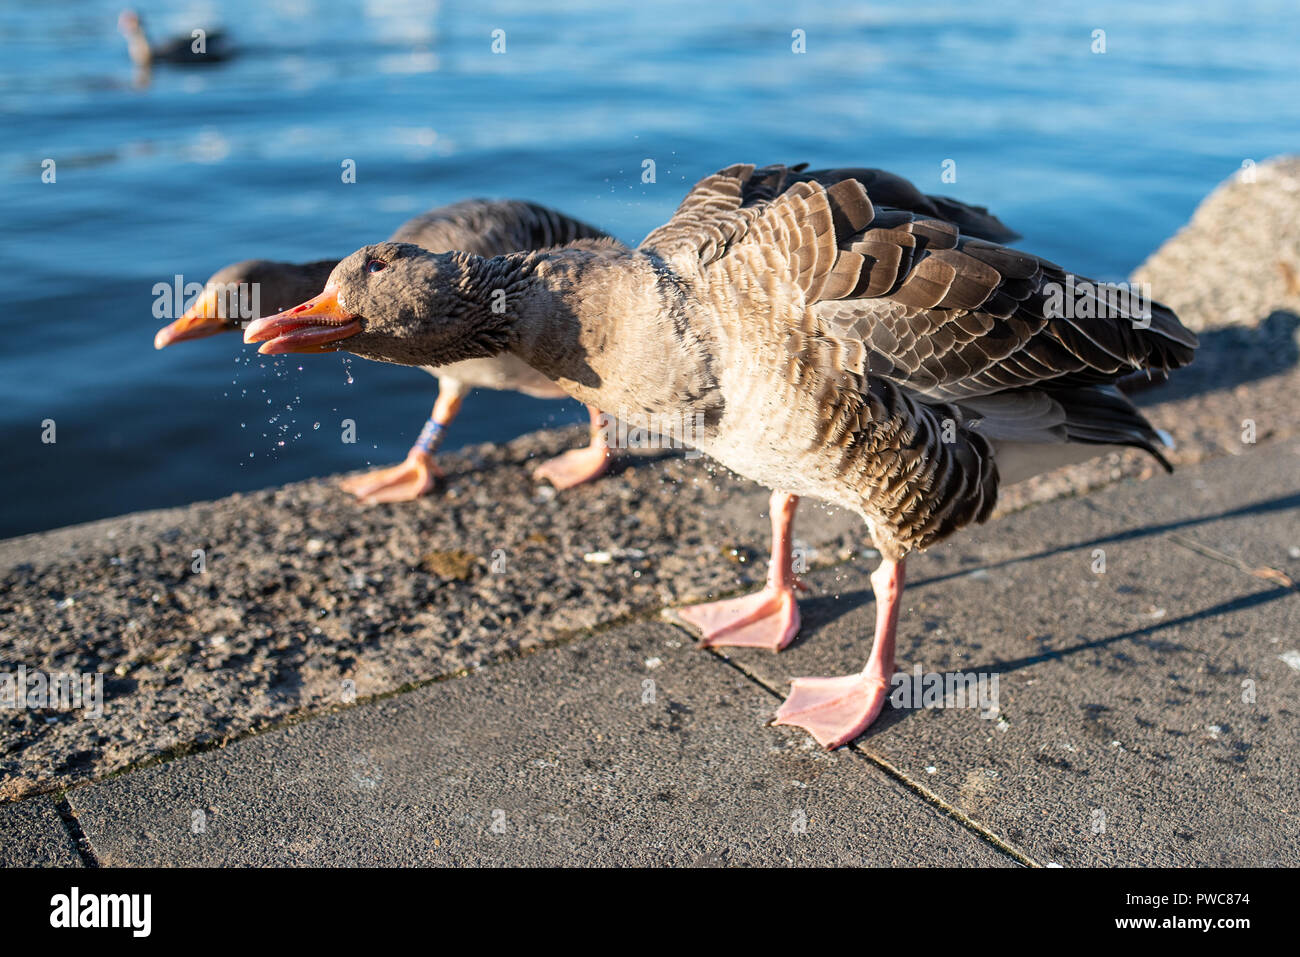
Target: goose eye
376,265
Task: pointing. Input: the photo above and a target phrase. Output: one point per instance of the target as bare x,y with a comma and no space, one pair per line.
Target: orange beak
200,320
311,327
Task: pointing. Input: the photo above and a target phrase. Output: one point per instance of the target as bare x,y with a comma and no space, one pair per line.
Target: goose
178,51
872,357
484,227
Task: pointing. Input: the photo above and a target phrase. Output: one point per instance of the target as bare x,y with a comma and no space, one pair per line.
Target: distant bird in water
200,48
831,344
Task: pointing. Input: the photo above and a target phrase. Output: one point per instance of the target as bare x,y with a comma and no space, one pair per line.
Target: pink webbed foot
834,710
414,477
574,467
765,619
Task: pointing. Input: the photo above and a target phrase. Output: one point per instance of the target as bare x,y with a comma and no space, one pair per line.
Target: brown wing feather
719,208
890,318
976,318
942,314
889,189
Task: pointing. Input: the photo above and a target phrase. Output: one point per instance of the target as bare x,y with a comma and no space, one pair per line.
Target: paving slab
1246,507
1147,714
626,748
32,834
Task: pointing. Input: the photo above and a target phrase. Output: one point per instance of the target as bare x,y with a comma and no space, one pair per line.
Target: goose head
242,291
395,302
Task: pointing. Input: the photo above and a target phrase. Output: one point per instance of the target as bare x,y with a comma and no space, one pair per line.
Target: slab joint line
919,790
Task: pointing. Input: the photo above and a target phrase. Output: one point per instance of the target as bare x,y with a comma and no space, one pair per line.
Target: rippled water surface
1096,158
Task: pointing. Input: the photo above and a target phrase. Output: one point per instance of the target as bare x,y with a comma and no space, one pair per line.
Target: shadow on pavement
1227,358
1241,603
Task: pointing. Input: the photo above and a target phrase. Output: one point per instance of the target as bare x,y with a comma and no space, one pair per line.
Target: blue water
1096,158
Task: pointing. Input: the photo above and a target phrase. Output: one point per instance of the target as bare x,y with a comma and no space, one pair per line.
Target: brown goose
868,356
483,227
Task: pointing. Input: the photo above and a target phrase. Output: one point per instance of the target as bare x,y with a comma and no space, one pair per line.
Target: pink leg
414,477
417,475
579,465
766,619
837,710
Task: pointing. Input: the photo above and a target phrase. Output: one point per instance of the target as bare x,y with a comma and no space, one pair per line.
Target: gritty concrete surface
1147,713
627,748
32,834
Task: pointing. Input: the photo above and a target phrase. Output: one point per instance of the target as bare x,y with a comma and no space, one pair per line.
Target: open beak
200,320
310,327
